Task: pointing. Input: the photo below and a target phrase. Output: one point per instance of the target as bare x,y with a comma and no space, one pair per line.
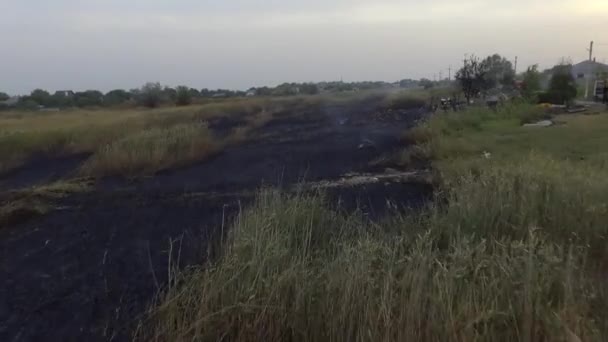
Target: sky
236,44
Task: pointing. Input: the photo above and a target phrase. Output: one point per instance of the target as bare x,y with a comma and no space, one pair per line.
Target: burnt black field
88,270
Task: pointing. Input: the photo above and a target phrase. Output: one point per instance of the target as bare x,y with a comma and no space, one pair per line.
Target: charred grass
513,249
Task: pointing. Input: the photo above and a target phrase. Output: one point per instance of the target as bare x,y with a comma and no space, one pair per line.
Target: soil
89,270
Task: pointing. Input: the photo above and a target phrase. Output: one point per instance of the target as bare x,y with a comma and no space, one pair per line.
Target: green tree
194,93
183,96
89,98
472,78
41,97
562,87
151,95
116,97
531,82
309,89
426,83
170,94
4,96
499,71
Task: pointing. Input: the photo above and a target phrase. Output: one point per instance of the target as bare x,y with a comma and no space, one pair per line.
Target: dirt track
88,271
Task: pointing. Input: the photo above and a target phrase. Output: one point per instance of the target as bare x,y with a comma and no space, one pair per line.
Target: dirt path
88,271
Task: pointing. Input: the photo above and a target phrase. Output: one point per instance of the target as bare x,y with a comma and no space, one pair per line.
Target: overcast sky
107,44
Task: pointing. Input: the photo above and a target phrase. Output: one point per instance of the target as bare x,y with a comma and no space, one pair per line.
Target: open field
514,248
351,237
107,214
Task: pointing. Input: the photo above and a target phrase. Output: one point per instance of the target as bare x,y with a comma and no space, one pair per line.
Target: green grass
513,249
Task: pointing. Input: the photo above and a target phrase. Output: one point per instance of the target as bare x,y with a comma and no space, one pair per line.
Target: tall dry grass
152,150
484,267
514,248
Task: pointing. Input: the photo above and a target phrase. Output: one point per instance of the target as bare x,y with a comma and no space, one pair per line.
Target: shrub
151,95
183,96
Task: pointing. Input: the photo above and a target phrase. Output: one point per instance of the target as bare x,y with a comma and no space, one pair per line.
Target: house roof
588,66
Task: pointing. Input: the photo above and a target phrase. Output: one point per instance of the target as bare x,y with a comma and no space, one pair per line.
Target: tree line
153,94
479,77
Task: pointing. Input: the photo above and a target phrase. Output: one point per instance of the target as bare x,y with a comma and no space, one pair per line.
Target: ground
88,265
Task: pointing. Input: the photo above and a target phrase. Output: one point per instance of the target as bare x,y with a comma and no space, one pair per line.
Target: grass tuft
152,150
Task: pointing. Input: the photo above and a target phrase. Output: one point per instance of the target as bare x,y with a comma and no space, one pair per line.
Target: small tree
499,71
151,95
562,87
426,83
116,97
41,97
472,78
88,98
4,96
531,83
183,96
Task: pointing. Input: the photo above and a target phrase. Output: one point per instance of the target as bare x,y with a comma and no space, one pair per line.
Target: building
589,70
587,75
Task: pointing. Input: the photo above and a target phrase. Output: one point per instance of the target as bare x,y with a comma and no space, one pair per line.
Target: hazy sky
106,44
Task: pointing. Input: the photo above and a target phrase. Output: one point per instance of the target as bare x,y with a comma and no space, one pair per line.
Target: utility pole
450,73
515,65
440,75
587,76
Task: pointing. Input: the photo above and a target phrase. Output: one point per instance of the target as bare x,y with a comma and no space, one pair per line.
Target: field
96,204
354,218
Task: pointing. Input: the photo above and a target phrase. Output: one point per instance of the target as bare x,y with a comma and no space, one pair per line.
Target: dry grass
152,150
514,249
295,270
22,205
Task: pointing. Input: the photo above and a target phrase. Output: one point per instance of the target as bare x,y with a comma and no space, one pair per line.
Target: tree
170,94
89,98
531,82
60,99
472,78
41,97
562,87
194,93
4,96
116,97
426,83
183,96
309,89
499,71
151,95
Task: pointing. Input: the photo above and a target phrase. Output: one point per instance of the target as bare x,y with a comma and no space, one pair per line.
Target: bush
562,88
151,95
183,96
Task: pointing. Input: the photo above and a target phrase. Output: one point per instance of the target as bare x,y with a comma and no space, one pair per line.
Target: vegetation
152,150
531,83
562,87
472,78
513,248
25,204
183,96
